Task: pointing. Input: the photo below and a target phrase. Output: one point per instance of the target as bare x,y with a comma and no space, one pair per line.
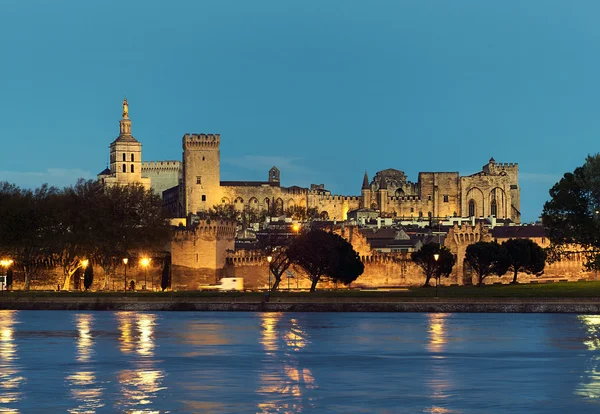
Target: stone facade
163,175
199,253
195,185
493,191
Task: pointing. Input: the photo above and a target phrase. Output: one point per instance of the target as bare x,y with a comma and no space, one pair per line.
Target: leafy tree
9,278
224,212
424,258
572,216
346,266
487,258
322,253
165,280
275,244
524,255
88,277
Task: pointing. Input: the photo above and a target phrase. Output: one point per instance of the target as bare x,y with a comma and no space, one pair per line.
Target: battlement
406,198
507,165
246,257
191,141
161,166
336,197
217,229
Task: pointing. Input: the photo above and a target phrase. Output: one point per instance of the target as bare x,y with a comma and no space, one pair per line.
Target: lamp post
5,264
436,256
269,259
125,260
144,261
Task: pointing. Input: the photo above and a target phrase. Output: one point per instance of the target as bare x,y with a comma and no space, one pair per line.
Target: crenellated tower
201,171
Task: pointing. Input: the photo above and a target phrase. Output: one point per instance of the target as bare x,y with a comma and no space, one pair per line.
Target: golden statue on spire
125,108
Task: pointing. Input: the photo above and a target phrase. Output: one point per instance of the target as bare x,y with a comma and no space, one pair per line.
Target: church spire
365,185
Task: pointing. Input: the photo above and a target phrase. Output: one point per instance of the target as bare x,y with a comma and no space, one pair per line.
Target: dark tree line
61,227
517,255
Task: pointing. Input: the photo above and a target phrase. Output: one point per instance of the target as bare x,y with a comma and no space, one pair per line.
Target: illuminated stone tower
201,171
365,201
125,156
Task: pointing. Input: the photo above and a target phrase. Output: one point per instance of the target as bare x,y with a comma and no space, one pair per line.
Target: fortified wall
199,254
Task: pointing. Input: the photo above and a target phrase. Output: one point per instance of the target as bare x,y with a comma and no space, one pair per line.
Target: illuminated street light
145,262
269,259
436,256
85,263
296,227
5,264
125,261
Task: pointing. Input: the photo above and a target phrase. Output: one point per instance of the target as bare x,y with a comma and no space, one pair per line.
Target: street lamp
125,260
144,261
296,227
436,256
5,264
269,259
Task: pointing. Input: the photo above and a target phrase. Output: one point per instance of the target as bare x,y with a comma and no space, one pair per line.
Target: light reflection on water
590,381
439,381
283,382
83,383
138,385
11,379
139,362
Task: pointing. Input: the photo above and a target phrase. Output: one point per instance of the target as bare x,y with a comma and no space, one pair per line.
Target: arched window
131,167
124,157
494,208
124,167
471,208
131,157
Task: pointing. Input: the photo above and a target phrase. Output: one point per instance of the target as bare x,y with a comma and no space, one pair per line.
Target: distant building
194,184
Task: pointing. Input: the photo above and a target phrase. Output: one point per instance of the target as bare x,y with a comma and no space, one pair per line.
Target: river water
63,361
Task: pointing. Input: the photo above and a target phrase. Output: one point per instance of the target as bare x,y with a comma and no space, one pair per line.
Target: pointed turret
365,184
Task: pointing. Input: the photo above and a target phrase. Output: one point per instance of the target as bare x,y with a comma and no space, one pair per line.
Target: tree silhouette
525,255
88,277
487,258
424,258
322,253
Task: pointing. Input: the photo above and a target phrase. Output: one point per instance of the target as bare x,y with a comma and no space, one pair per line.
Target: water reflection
11,379
284,380
139,385
436,327
82,383
589,386
439,380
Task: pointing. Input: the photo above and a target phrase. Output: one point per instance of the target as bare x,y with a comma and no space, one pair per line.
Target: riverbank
577,297
317,304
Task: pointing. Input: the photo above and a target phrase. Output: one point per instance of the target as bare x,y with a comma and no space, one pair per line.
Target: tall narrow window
471,208
124,157
198,180
132,157
131,167
494,208
124,167
445,198
203,197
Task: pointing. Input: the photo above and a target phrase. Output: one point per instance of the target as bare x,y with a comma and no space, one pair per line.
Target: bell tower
125,156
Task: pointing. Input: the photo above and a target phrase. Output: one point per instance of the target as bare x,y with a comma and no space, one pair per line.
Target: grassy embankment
522,291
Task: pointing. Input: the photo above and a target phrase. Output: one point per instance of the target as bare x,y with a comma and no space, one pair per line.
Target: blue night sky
321,89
